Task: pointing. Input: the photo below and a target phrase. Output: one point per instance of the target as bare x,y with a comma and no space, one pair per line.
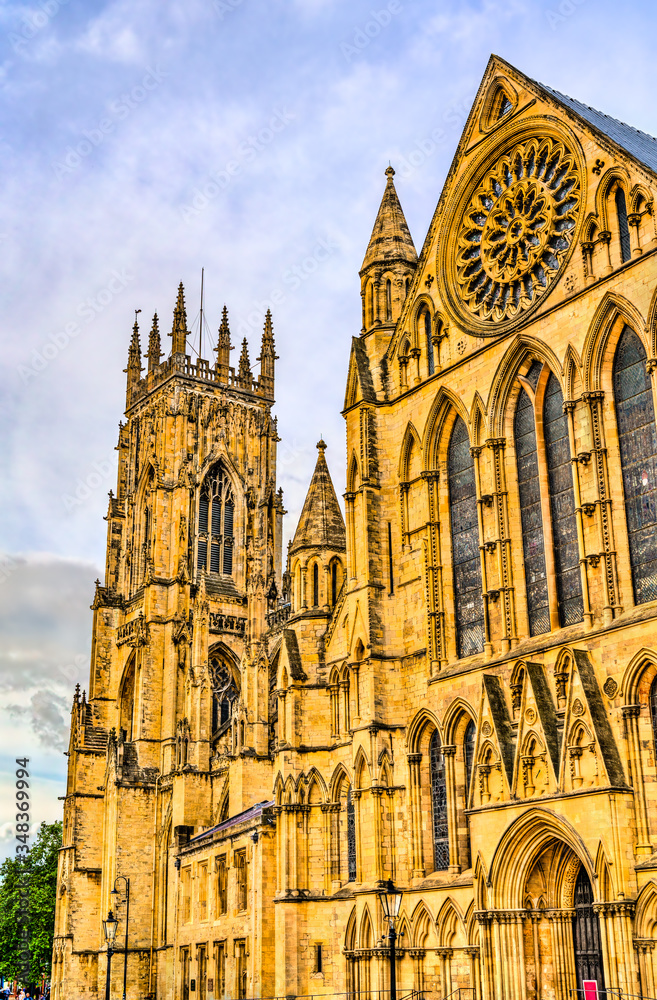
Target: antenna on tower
200,325
137,311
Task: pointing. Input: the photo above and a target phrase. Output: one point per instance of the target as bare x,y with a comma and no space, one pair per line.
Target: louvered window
623,228
315,585
439,804
531,517
562,506
468,602
215,524
637,438
427,333
388,300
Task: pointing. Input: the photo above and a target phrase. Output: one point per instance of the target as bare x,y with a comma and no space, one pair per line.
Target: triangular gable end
360,386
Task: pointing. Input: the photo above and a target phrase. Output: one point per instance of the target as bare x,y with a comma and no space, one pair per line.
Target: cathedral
454,686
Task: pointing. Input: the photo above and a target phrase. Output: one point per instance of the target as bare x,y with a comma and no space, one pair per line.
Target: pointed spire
223,348
391,240
154,346
245,375
267,357
179,331
134,368
321,524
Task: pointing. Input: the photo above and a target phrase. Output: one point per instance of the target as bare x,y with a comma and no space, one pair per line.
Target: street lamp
115,892
109,926
391,901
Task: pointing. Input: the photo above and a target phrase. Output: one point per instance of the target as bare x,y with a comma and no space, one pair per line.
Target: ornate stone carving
516,231
610,687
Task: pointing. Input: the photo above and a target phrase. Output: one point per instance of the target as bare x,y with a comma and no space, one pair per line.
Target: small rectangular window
319,959
220,969
186,894
203,892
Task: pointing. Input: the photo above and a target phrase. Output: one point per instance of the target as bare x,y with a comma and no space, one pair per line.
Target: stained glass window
623,228
469,605
216,514
468,751
427,333
224,692
439,804
531,516
351,838
562,506
637,438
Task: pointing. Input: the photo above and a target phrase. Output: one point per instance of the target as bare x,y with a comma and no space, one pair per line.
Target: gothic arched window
533,546
216,515
427,334
388,300
562,506
334,583
637,439
468,602
438,804
315,585
351,838
623,228
224,692
468,752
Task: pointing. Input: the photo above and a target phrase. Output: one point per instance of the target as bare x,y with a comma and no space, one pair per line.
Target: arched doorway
586,934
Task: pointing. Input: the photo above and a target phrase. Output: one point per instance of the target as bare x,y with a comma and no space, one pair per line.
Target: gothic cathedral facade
453,687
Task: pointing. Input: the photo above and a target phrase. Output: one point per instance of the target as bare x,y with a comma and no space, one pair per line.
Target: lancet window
351,838
468,601
216,515
388,300
315,585
468,751
531,516
431,367
224,692
623,228
439,804
637,438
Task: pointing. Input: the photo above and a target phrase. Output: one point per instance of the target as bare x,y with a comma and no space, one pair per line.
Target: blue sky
143,141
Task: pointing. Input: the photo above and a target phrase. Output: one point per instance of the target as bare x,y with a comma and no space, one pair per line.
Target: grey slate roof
640,145
321,524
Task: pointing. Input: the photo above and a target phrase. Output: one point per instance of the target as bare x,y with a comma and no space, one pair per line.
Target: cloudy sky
143,141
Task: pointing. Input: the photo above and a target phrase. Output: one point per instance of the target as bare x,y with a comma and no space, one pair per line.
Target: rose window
517,230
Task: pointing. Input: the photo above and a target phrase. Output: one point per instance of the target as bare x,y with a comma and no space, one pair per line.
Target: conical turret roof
321,524
391,239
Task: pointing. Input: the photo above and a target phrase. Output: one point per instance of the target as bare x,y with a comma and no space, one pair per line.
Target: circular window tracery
517,230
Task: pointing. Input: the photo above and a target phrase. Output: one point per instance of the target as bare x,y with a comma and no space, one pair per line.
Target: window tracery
439,804
216,524
468,601
531,517
517,230
351,838
431,365
637,439
224,693
468,752
623,228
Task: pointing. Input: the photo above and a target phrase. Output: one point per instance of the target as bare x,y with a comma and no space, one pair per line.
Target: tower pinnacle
267,357
223,348
179,331
134,368
154,346
245,373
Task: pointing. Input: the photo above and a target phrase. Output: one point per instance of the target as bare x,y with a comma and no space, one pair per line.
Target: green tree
32,877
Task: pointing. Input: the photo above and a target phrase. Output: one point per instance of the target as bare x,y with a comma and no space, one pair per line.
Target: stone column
631,716
376,791
449,754
473,955
417,862
644,948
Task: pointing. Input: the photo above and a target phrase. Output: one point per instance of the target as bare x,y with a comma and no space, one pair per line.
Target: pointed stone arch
645,921
444,410
350,932
573,375
362,771
279,789
410,441
425,717
603,872
316,790
353,474
339,776
612,314
482,883
617,174
423,926
366,930
651,325
521,347
477,419
453,718
644,659
521,845
450,925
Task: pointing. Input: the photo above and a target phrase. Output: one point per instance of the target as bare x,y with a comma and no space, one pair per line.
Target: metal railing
462,993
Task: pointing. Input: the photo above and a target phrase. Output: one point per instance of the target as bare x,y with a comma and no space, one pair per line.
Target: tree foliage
30,877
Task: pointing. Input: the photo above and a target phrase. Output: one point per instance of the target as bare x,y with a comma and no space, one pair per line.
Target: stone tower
177,709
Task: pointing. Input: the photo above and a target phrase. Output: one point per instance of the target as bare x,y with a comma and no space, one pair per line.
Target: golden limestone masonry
455,686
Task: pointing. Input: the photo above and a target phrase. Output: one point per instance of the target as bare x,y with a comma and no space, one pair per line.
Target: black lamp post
109,926
391,901
115,892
